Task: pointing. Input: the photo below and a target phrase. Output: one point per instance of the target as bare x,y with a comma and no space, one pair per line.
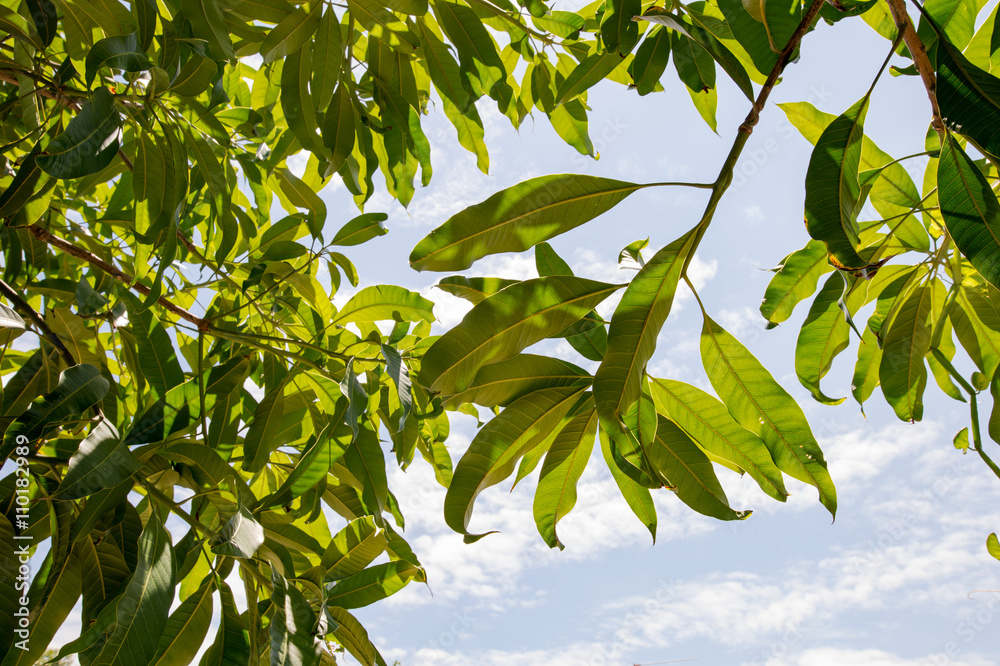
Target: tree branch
920,60
25,309
94,260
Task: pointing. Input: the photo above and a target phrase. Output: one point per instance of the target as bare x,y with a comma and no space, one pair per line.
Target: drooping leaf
118,52
832,186
500,383
902,372
241,536
517,218
794,281
969,98
79,387
360,229
232,644
261,438
385,303
186,628
102,461
473,289
824,334
635,326
761,405
291,629
353,548
970,210
496,449
678,459
372,584
637,497
711,426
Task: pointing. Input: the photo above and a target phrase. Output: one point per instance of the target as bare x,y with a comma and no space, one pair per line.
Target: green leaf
119,52
292,626
102,461
651,60
635,326
195,77
241,536
262,436
501,383
290,34
208,23
328,55
993,545
79,387
618,29
353,548
385,303
678,459
970,210
473,289
794,280
471,133
296,102
396,369
353,637
564,464
902,372
497,447
824,334
832,187
361,229
517,218
27,182
477,51
866,369
156,355
186,628
371,585
10,319
365,460
760,405
143,607
340,126
383,24
504,324
569,120
637,497
969,98
710,425
442,67
232,644
589,72
89,143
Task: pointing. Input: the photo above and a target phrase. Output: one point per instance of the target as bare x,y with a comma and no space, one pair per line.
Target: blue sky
891,582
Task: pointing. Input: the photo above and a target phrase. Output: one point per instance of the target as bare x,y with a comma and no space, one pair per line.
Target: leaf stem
923,63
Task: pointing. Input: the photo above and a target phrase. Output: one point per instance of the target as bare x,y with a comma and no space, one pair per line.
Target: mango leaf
501,383
832,186
143,607
372,584
515,219
360,229
902,372
118,52
635,326
353,548
353,637
969,98
590,71
993,545
396,369
186,628
760,405
209,23
365,460
385,303
156,355
262,436
504,324
102,461
195,76
794,281
865,377
710,425
292,625
970,210
28,180
618,29
824,334
89,143
232,644
79,387
383,24
498,446
442,67
473,289
678,459
477,51
637,497
10,319
290,34
241,536
564,464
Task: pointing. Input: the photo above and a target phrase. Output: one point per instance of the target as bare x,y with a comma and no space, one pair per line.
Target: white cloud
753,213
830,656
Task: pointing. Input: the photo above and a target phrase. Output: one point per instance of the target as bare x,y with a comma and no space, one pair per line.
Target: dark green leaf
89,143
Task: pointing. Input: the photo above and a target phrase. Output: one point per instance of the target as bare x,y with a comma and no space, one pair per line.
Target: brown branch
783,59
923,64
94,260
25,309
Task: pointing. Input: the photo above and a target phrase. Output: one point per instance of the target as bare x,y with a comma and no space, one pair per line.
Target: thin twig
920,60
26,310
93,259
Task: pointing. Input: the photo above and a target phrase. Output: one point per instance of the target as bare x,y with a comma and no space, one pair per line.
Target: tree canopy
172,354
